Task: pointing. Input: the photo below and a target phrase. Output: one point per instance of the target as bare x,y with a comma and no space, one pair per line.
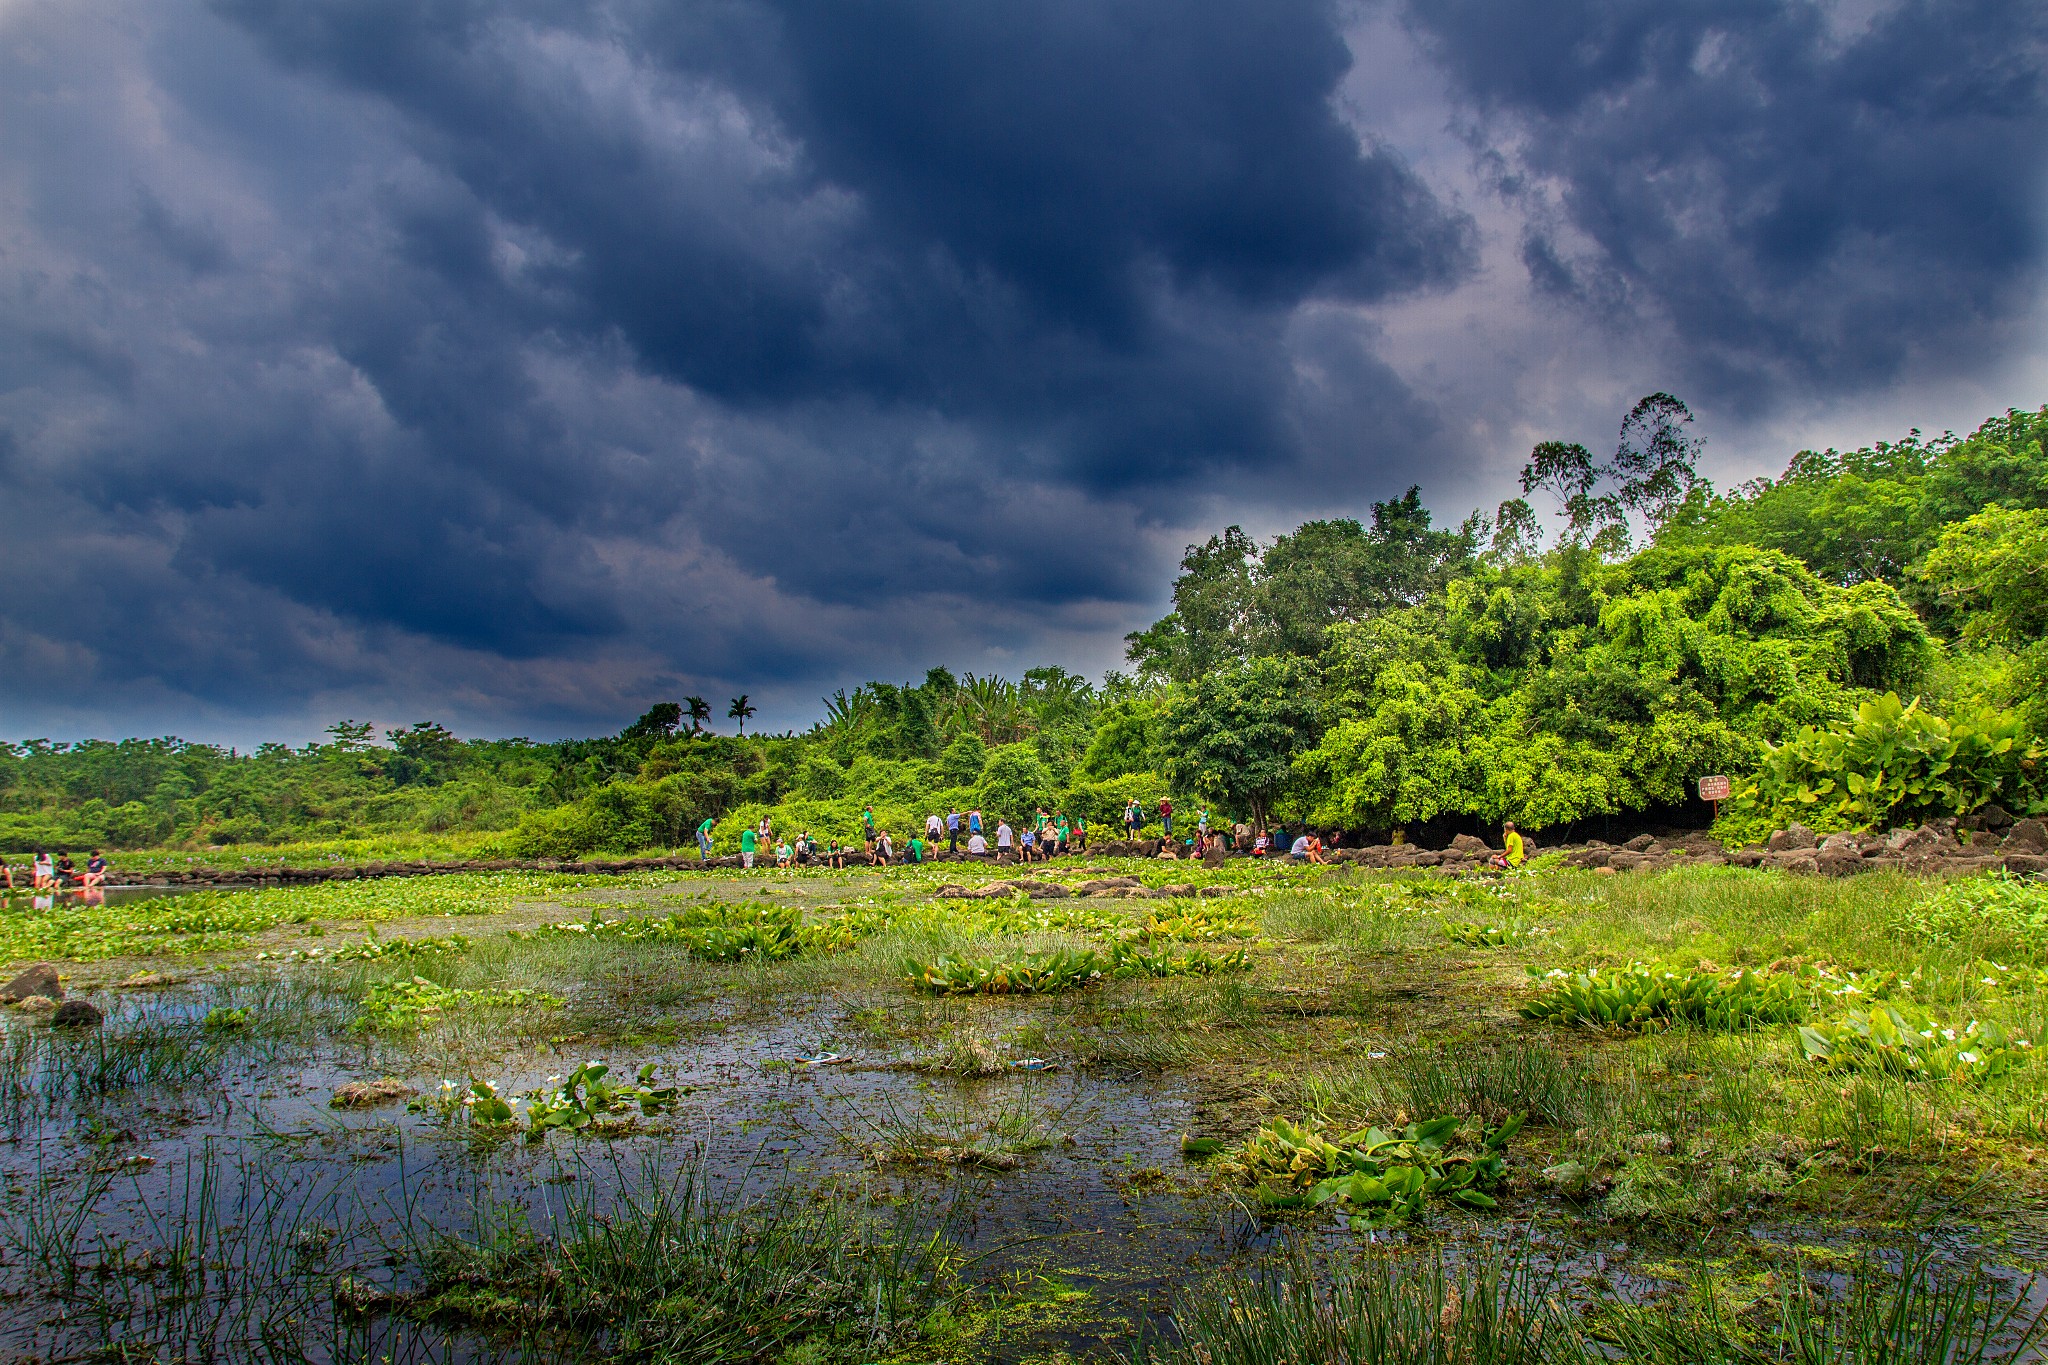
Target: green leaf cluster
1373,1177
1647,1000
1890,763
1901,1040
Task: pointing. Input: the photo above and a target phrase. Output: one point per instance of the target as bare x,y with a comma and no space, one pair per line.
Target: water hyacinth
1640,999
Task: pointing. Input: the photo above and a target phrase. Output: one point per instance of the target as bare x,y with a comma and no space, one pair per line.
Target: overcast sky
519,363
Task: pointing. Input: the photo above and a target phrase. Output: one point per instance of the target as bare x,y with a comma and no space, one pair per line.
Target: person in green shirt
1511,841
747,838
1066,833
704,837
916,849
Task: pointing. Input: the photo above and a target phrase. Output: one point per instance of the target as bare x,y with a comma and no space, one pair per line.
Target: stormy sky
517,363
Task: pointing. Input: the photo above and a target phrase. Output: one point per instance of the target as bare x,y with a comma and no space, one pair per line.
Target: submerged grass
1505,1305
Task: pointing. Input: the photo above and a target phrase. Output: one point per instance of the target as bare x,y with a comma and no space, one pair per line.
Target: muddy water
1105,1209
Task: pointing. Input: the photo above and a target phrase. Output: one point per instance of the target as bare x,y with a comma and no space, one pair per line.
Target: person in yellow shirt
1511,840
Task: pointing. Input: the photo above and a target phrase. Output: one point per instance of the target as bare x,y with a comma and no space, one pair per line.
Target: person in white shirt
1002,837
977,847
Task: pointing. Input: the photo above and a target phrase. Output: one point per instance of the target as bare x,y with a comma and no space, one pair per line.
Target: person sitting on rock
784,855
95,870
977,847
45,870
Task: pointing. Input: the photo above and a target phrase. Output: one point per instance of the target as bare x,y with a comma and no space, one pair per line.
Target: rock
1792,838
1639,844
1993,816
38,1004
1626,859
2027,836
77,1014
39,980
366,1094
2026,862
143,981
1465,843
1793,860
1843,842
1838,861
1213,855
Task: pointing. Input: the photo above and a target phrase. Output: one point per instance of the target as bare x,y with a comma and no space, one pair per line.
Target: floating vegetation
579,1101
1032,974
400,1006
1640,999
1132,959
1376,1178
1494,934
375,949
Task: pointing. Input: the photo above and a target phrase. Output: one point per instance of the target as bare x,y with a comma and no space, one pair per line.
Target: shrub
1890,763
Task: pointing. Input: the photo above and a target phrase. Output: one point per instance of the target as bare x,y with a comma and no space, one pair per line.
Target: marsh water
179,1185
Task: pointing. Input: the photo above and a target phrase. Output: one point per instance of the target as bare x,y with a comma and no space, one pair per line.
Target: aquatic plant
1912,1043
1376,1177
1032,974
393,1006
1642,999
1137,960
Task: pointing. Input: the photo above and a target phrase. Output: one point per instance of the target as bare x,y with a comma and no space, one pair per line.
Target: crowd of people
1040,837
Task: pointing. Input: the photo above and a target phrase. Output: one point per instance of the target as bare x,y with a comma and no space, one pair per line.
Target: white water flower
1967,1058
1949,1034
1927,1033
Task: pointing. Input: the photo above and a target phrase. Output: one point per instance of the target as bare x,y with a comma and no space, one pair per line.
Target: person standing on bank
704,837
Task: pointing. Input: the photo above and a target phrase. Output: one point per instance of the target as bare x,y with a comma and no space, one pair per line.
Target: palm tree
739,711
699,711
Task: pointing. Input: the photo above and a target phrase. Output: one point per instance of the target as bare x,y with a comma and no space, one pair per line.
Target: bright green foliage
399,1006
1141,960
1206,924
376,949
1871,515
1893,763
1568,688
1013,782
1641,999
223,1017
1992,573
1998,906
1232,735
1032,974
1909,1042
1376,1178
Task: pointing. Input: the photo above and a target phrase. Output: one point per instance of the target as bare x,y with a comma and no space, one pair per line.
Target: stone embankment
1938,847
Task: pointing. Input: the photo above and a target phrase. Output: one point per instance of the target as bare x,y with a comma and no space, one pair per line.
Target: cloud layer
518,363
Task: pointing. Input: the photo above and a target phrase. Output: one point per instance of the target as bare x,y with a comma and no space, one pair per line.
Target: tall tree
1232,736
740,710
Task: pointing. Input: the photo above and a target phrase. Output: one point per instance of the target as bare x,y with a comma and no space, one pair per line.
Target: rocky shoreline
1942,846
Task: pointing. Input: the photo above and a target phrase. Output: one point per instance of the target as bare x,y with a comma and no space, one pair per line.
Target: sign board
1713,789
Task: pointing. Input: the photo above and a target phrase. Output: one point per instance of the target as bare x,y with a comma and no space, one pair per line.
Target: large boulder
1791,839
40,979
1214,854
1465,843
1840,855
2027,836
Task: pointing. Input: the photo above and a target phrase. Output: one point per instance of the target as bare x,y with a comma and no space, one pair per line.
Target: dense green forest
1860,641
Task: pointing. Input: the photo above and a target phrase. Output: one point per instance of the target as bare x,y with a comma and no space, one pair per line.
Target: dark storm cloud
1820,197
517,361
